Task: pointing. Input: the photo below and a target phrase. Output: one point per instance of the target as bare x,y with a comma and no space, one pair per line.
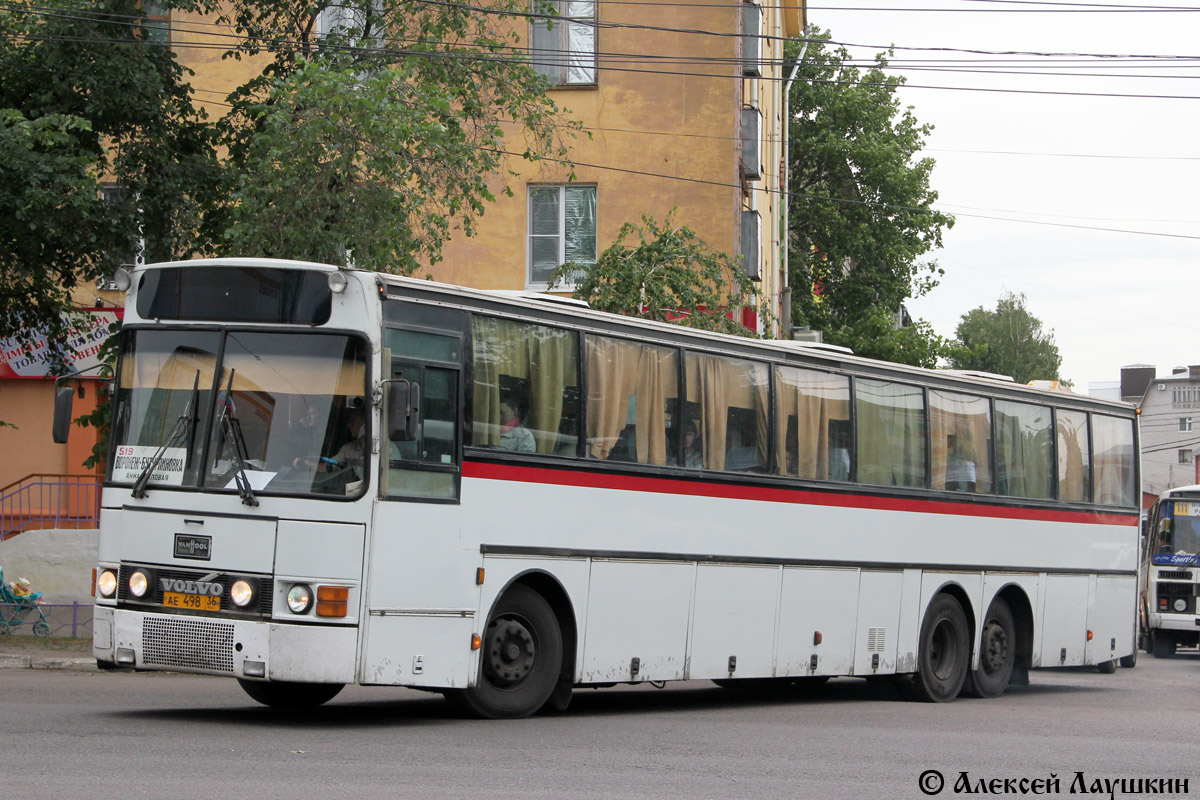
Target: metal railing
49,501
65,619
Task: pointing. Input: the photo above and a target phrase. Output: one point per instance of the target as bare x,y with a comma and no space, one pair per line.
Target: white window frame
561,235
563,64
1185,424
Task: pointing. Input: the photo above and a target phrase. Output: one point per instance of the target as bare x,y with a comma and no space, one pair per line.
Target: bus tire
997,653
520,659
289,695
1161,646
1129,661
943,652
1107,667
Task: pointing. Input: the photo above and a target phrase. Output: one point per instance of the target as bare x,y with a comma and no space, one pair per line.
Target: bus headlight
139,583
1180,604
241,593
106,583
299,598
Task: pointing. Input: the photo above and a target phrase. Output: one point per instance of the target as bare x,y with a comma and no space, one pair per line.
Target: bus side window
533,370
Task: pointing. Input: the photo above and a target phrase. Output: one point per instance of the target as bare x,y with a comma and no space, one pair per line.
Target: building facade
1170,426
684,114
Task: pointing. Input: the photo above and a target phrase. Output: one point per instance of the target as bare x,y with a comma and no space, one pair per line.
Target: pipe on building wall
785,300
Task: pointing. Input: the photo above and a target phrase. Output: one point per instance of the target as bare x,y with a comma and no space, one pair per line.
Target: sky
1089,206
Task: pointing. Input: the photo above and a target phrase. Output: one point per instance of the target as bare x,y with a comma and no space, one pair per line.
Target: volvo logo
192,587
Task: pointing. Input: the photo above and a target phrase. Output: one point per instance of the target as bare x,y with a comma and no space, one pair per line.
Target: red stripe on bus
771,494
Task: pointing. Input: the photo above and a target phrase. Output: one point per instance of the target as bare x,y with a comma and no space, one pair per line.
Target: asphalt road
100,735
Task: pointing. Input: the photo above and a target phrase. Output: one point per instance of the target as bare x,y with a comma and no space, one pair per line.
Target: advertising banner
32,360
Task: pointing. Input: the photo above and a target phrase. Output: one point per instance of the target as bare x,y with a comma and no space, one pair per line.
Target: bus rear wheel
288,695
943,652
997,653
520,659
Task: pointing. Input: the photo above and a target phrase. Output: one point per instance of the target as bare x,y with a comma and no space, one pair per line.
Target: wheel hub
511,652
994,653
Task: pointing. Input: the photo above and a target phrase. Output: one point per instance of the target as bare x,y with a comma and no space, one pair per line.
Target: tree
87,101
374,130
861,212
670,275
1007,341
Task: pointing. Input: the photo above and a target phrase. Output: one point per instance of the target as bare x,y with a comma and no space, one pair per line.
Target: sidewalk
30,652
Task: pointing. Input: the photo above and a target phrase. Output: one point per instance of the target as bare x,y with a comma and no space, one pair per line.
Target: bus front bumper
1175,622
217,646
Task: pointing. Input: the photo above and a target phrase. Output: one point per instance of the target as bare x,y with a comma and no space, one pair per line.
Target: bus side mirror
64,401
404,410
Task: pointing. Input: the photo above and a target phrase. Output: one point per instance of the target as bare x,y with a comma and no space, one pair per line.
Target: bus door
419,623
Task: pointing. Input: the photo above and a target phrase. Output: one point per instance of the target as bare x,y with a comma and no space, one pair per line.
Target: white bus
1170,574
324,476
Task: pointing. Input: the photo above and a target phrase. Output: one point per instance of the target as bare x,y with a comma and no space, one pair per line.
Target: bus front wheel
520,659
997,653
1162,646
943,652
289,695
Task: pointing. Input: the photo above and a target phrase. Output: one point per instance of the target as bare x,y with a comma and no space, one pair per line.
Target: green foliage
375,140
100,417
85,100
861,214
1007,341
670,275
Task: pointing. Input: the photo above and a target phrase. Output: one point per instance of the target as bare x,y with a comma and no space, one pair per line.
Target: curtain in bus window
537,369
728,398
632,393
960,430
1073,460
891,433
1113,442
812,424
1023,442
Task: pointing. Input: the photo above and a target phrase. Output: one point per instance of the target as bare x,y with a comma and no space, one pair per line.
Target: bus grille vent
876,637
1174,575
187,643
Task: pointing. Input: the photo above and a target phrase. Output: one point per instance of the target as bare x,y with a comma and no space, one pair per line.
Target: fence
66,619
49,501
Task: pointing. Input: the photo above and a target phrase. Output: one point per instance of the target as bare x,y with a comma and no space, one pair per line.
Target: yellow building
685,110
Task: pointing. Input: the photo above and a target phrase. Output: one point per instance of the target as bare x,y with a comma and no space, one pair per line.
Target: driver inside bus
350,455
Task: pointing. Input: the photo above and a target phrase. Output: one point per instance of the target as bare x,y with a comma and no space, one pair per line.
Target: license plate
193,602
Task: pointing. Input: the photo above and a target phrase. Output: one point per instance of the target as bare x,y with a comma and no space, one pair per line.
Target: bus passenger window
891,433
526,387
727,399
633,390
960,430
1023,450
812,424
1074,480
1113,475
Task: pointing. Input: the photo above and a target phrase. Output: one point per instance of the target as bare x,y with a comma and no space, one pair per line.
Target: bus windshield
1185,533
283,410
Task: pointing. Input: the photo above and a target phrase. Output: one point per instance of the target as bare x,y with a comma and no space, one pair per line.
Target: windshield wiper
186,424
232,430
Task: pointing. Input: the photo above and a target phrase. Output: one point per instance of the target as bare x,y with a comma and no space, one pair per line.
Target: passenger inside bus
514,435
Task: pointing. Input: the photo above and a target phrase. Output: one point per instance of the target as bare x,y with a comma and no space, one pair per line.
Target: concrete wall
57,563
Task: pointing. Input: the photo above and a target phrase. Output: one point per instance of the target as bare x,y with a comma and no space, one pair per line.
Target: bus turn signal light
331,600
1089,636
476,641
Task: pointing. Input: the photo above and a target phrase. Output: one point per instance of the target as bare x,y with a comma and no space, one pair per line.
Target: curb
16,661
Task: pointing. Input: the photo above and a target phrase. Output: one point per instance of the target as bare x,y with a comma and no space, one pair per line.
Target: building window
1185,423
156,24
1185,456
563,47
562,230
751,40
